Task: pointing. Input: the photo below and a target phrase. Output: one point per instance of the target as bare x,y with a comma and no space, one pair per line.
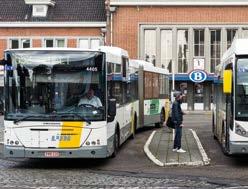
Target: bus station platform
159,147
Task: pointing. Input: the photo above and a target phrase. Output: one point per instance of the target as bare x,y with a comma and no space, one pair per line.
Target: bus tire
213,127
116,142
224,140
162,119
135,127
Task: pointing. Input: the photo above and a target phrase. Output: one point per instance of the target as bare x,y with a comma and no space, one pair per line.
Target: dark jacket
176,113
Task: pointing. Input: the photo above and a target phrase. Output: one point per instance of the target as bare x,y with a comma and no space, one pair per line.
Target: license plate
51,154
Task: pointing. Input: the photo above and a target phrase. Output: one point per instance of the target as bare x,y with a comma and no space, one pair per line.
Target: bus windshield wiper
24,118
75,114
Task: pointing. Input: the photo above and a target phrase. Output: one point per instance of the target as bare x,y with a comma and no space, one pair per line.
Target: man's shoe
181,150
174,149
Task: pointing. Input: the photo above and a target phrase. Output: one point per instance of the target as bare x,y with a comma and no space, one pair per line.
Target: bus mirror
227,81
111,109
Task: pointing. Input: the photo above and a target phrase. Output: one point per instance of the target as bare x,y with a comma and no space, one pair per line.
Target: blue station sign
198,76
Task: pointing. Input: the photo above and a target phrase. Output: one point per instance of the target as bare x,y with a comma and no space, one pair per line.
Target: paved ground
161,145
130,168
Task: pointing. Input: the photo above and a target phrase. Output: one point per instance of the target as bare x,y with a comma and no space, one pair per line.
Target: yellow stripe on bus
71,139
167,109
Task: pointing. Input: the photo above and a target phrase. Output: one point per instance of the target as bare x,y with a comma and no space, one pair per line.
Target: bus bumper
238,148
82,152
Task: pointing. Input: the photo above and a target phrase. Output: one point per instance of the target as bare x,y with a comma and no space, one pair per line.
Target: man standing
177,118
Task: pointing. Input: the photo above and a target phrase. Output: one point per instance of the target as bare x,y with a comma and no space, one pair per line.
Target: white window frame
20,40
55,43
83,38
89,39
36,13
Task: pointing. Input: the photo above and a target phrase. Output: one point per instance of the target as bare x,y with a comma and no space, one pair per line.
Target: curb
206,160
198,112
148,152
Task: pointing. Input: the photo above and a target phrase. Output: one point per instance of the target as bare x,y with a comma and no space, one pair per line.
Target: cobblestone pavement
130,169
40,178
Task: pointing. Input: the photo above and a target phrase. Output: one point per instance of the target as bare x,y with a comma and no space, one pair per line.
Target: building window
89,43
150,46
94,43
25,43
166,49
182,50
40,10
244,33
215,48
49,43
14,43
230,36
60,42
20,43
84,43
198,43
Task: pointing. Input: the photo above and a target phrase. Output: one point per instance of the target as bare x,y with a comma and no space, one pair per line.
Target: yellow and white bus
43,117
154,104
230,107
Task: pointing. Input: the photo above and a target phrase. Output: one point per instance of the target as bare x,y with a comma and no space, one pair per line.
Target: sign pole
172,94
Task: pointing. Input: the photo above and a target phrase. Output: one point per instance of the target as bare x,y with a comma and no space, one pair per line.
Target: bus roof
238,47
113,54
52,49
147,66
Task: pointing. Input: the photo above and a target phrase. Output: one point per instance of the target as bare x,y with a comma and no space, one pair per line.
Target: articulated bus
230,109
44,119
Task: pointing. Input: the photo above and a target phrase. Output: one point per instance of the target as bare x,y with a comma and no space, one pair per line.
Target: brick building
51,23
180,35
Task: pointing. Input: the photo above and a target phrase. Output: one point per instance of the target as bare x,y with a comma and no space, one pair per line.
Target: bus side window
114,91
124,66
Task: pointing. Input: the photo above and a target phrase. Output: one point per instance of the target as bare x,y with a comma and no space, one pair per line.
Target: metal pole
172,93
111,29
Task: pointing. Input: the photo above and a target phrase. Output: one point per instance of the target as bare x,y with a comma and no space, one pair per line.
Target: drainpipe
111,29
112,10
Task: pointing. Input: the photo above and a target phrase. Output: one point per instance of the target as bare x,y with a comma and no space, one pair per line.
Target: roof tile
63,11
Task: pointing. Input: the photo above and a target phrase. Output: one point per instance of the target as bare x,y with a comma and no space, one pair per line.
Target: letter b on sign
198,76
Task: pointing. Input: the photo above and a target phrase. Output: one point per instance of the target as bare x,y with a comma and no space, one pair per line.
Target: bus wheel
162,120
224,141
116,143
213,127
134,127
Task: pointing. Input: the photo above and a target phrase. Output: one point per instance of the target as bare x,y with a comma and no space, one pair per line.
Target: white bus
43,87
230,109
154,104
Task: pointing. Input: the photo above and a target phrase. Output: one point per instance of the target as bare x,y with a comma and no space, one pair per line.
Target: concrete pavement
159,147
1,134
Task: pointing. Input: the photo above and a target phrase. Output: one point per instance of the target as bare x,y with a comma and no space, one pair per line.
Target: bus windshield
55,85
242,89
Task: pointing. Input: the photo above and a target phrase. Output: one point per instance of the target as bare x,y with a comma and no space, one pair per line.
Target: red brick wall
3,45
72,43
126,20
37,33
37,43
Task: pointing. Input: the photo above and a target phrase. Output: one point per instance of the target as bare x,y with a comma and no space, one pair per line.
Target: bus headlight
240,130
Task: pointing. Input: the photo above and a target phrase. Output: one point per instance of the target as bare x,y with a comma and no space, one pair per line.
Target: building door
198,96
